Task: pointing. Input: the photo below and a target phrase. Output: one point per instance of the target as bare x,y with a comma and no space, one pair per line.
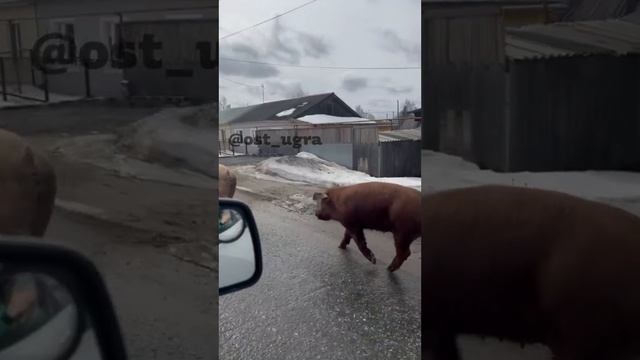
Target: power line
239,83
323,67
265,21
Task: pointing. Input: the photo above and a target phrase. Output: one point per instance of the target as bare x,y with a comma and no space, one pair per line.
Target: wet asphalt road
167,308
315,301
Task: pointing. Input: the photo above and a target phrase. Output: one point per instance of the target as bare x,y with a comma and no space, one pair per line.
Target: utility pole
262,86
398,112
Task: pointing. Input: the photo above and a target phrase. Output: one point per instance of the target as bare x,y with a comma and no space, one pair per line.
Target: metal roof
614,36
585,10
400,135
270,110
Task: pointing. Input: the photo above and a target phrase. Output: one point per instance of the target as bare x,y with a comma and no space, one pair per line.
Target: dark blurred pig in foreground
530,266
376,206
27,187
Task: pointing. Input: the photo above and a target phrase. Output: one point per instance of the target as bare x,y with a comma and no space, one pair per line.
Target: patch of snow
229,153
436,160
440,172
286,112
307,155
165,138
310,169
98,150
33,92
328,119
251,171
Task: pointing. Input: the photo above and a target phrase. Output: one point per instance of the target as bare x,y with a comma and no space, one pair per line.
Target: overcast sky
354,33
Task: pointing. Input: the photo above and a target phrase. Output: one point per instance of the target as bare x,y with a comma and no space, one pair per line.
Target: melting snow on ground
308,168
440,171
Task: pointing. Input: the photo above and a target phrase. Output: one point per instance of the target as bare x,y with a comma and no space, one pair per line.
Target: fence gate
366,152
19,78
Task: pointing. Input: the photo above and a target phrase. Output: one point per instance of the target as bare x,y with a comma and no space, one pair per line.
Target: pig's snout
321,209
322,215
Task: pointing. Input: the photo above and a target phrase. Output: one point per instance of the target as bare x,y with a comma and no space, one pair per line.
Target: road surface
154,245
167,308
315,301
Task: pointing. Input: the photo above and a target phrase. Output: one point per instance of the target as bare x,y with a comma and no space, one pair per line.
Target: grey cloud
244,51
382,103
354,83
247,70
285,91
282,45
399,90
279,46
313,46
391,42
255,91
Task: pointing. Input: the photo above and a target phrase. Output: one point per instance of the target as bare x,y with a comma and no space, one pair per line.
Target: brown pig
27,187
226,182
530,266
376,206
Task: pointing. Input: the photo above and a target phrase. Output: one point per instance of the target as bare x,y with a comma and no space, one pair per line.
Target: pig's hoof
392,268
372,258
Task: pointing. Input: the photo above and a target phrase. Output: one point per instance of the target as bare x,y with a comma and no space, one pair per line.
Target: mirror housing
81,279
239,250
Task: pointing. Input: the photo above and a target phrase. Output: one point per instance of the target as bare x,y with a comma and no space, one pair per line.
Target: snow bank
440,171
328,119
175,136
308,168
34,92
98,150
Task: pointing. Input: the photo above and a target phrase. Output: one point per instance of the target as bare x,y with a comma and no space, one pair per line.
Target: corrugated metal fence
399,158
576,113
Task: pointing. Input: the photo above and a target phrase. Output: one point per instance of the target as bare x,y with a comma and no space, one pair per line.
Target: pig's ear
317,196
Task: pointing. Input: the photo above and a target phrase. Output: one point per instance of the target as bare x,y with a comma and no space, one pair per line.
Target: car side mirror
240,255
54,305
